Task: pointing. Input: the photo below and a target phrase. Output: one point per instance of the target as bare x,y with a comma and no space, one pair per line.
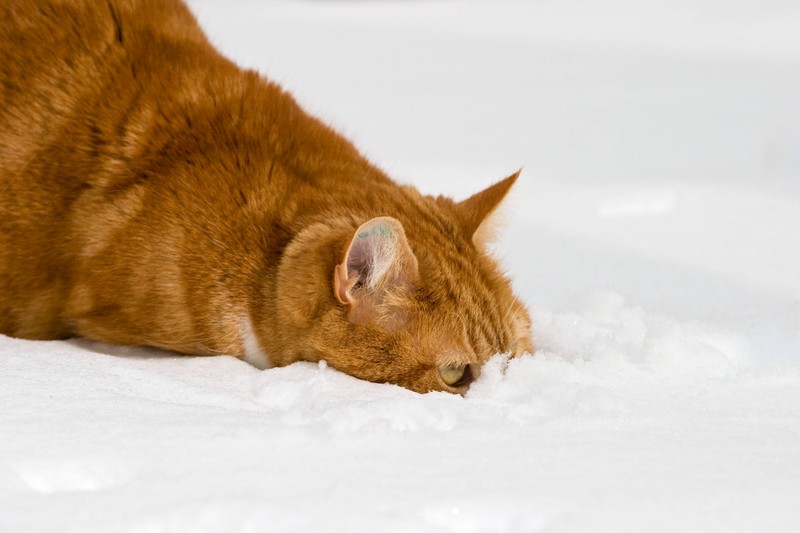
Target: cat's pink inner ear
378,254
478,208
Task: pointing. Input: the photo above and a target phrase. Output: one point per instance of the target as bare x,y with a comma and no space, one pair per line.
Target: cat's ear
377,261
476,211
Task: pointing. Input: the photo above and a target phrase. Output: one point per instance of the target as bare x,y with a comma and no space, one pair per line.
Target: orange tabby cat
153,193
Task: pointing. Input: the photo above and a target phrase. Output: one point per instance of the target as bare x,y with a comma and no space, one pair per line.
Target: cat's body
153,193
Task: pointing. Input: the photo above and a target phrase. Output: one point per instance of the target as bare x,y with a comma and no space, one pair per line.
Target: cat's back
53,52
66,62
109,109
71,72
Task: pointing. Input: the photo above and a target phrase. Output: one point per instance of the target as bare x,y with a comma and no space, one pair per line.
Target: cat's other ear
378,262
477,210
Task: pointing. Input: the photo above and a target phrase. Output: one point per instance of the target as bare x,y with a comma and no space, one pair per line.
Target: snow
654,234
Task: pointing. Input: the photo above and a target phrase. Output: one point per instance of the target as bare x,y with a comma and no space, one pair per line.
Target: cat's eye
452,374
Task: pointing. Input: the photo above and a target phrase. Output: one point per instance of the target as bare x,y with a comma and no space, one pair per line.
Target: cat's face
427,341
423,312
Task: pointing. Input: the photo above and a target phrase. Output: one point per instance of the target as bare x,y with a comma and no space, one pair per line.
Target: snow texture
655,234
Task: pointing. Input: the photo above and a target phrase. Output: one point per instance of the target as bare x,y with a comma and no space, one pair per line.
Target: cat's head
418,303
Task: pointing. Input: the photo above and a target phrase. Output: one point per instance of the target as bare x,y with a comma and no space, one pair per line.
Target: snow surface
655,234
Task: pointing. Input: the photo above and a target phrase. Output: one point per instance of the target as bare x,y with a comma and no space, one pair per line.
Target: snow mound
175,443
603,329
603,339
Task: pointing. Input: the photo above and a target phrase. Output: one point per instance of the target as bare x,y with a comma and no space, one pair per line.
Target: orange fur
153,193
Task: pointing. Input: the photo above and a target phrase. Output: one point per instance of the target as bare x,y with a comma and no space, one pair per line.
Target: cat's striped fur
153,193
